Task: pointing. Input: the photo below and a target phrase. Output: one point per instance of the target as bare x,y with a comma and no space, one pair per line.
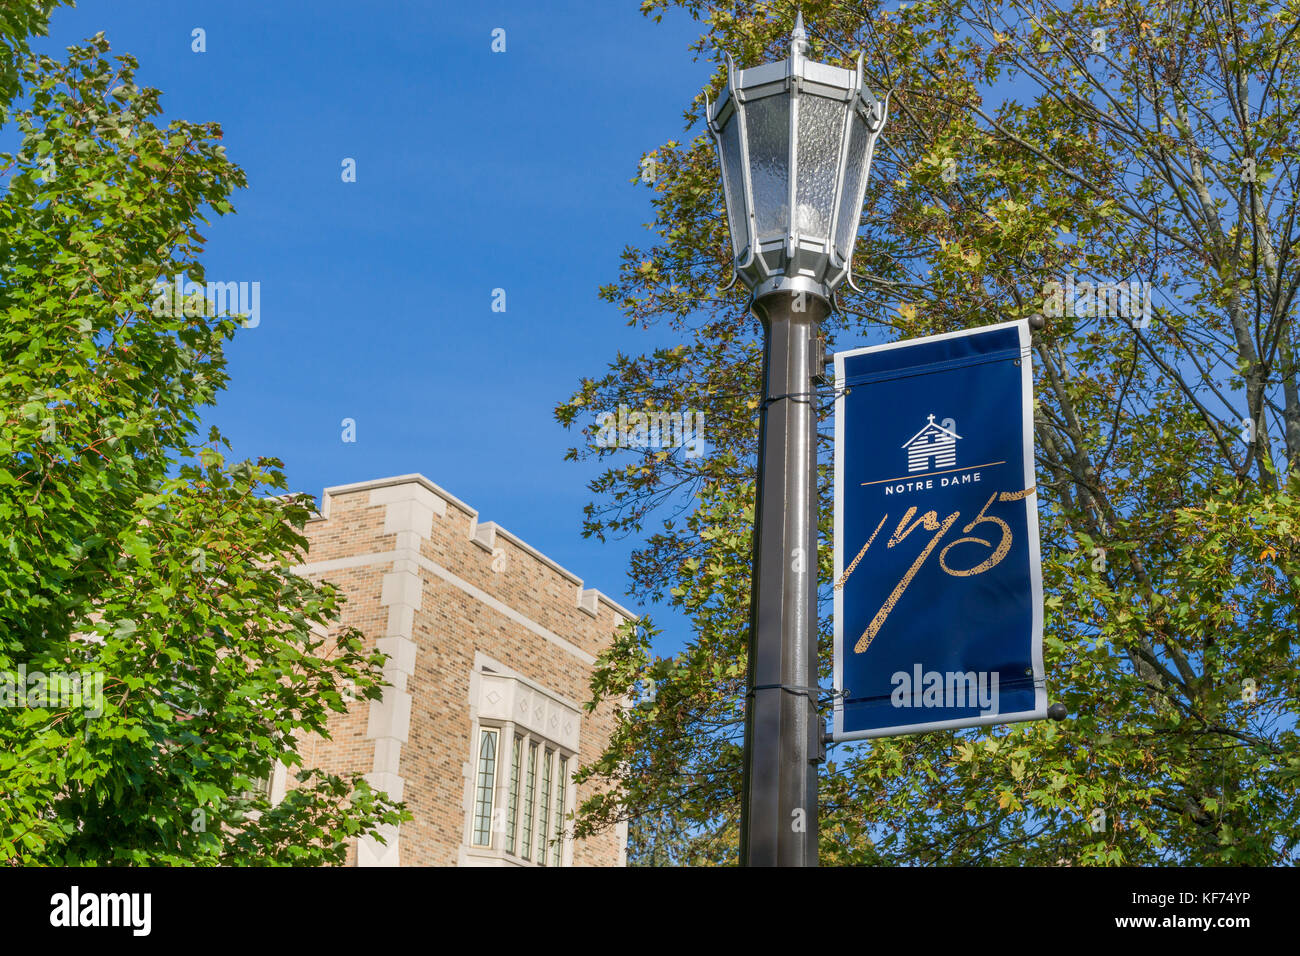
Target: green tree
132,552
1027,141
18,23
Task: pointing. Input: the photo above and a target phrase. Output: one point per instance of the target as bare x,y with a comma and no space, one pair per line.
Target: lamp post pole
795,140
782,725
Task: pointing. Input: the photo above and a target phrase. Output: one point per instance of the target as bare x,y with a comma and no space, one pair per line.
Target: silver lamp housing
795,140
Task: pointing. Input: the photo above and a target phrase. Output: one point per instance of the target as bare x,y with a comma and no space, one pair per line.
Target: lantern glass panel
821,134
768,129
737,215
846,228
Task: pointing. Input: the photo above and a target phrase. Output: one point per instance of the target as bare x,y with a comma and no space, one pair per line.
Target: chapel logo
934,446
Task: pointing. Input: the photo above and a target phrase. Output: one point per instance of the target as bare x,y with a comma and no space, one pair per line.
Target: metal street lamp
795,139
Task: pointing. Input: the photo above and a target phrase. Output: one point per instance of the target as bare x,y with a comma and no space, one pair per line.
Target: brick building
490,645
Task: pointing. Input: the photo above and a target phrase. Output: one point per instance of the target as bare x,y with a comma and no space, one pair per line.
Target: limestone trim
408,513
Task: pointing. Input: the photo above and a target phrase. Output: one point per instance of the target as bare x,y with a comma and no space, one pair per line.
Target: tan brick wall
448,629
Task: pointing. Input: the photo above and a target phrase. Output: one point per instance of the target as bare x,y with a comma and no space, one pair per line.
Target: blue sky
475,171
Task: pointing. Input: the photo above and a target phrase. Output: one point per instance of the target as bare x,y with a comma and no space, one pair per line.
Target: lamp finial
799,36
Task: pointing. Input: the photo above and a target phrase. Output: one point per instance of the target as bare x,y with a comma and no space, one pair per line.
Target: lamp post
795,140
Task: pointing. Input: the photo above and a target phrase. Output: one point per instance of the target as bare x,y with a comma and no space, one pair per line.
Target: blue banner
938,586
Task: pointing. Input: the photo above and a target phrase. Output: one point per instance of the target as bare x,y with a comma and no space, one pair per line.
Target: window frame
517,706
485,733
541,830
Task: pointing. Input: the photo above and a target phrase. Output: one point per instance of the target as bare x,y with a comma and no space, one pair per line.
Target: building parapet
483,534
